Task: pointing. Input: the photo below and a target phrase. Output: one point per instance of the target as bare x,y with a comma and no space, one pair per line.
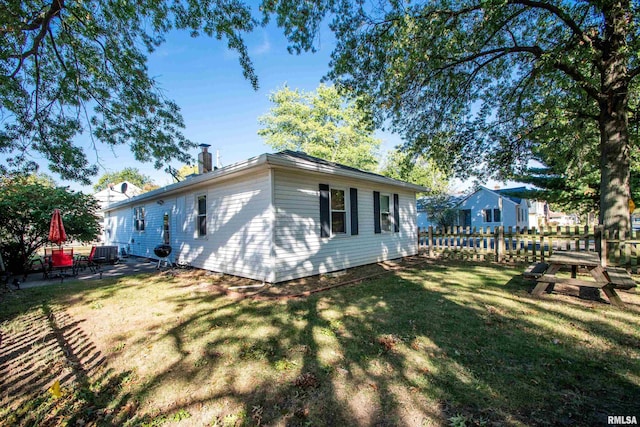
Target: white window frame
139,217
389,213
344,211
200,235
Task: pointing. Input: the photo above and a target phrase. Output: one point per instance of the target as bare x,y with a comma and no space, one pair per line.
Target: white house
493,208
116,193
112,194
274,217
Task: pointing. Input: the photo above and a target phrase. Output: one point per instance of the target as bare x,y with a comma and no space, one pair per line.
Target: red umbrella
57,234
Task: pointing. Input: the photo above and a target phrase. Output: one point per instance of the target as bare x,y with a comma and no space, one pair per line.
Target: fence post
500,243
430,237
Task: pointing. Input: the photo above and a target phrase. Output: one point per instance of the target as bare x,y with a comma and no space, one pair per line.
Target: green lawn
450,344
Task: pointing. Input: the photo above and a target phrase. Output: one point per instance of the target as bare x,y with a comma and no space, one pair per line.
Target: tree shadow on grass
411,348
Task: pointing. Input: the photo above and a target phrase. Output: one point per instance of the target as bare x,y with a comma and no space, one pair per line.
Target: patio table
588,260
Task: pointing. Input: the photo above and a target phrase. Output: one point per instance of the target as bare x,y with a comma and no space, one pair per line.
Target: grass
455,344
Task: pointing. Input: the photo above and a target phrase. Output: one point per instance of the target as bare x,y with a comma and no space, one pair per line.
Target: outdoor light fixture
160,202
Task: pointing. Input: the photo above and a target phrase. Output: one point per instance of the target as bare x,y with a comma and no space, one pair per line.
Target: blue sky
218,104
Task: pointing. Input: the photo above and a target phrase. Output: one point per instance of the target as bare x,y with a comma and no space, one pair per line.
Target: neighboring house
112,194
562,219
493,208
274,217
116,193
538,211
635,220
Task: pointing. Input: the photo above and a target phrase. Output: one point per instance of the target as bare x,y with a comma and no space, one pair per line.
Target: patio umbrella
57,234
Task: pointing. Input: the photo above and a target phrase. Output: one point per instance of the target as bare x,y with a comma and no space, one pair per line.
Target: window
166,238
496,215
138,218
202,216
465,217
385,212
338,212
487,215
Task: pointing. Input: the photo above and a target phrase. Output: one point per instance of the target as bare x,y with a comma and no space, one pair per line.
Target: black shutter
376,212
325,227
353,201
396,213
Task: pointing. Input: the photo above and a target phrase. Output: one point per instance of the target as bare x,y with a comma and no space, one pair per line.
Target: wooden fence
529,245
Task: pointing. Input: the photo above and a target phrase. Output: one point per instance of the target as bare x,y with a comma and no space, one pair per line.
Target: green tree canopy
481,85
72,67
416,169
440,209
133,175
572,187
323,124
26,206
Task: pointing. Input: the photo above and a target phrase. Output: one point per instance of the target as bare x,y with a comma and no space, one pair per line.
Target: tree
323,124
133,175
565,194
440,209
72,67
480,85
416,169
187,170
26,206
571,188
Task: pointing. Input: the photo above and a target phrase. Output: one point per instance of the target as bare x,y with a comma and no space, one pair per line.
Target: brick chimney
204,159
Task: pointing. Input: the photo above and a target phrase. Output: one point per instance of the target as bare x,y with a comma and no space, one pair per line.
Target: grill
162,252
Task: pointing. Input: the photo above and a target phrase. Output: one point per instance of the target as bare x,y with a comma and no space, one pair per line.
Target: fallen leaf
55,390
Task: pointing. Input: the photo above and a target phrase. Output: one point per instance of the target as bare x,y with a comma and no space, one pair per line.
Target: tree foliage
69,67
133,175
26,206
416,169
440,209
481,85
323,124
573,188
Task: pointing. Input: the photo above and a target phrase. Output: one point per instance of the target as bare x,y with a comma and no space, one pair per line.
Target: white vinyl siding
265,225
239,219
299,249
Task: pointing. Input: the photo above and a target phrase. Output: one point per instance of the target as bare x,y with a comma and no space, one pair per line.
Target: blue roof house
492,208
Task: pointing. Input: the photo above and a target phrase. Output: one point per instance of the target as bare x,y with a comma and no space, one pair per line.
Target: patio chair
99,256
59,260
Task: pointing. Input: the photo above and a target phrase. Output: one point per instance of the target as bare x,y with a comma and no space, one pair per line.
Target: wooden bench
620,278
535,271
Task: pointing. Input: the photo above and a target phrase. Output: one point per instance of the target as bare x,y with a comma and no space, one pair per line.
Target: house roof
292,160
437,202
502,192
509,193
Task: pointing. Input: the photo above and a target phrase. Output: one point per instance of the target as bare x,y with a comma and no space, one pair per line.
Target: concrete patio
125,266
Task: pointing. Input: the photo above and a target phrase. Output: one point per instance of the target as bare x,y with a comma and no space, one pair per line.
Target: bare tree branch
54,10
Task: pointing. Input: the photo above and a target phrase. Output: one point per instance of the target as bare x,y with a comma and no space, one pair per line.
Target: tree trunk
613,121
615,170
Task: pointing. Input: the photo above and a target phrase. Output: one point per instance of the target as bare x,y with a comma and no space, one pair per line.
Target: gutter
275,161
